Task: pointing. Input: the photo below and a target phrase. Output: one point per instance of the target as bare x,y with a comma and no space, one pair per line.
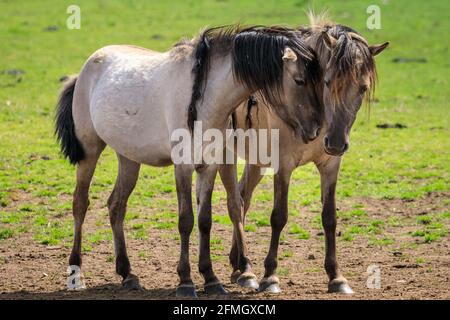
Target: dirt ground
420,271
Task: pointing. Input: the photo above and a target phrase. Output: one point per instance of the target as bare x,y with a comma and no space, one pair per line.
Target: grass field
394,184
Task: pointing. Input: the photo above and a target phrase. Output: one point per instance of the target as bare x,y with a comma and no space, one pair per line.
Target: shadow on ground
112,291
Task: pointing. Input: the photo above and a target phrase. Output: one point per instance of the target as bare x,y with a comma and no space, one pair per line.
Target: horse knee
234,211
278,219
204,222
329,222
185,223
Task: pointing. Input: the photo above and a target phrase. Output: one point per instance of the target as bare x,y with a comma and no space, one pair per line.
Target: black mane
256,53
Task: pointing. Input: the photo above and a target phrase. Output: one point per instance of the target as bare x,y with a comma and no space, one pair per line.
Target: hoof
271,285
235,275
248,280
339,286
131,283
186,291
215,288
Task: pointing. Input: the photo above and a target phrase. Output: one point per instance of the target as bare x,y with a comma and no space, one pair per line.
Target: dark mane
256,54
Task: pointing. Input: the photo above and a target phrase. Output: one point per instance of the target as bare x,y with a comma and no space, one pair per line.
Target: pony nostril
325,142
346,145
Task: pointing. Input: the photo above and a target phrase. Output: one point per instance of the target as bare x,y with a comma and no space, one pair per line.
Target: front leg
278,220
329,171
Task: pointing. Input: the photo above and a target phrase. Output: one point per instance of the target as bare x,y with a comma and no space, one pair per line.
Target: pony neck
222,94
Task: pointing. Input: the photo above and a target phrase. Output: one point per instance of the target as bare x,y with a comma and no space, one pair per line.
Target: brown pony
349,77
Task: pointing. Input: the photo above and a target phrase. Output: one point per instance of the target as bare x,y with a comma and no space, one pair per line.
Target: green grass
299,232
287,254
283,272
250,228
381,242
54,233
431,234
381,164
6,233
374,227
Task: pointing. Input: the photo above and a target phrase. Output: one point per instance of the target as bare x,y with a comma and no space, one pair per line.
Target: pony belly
133,129
139,149
151,155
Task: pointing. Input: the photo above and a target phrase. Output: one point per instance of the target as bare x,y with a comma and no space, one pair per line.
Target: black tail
64,126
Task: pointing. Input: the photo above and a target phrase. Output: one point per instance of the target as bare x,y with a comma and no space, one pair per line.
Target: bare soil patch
410,268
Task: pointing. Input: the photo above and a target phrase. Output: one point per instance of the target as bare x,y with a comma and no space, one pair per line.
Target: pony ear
376,49
289,55
330,41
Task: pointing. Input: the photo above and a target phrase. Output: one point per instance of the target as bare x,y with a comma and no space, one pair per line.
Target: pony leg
329,171
250,179
228,174
183,177
278,220
117,203
85,171
205,186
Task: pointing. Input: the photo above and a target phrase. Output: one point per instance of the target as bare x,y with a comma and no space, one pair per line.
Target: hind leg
117,203
85,171
183,179
250,179
246,278
205,186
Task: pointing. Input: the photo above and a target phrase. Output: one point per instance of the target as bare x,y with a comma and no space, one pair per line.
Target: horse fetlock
123,266
75,259
235,275
131,282
215,288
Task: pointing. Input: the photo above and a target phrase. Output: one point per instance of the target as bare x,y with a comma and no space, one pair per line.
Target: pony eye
327,83
363,88
300,82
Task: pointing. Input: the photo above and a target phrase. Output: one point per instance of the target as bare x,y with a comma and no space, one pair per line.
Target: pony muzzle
335,149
